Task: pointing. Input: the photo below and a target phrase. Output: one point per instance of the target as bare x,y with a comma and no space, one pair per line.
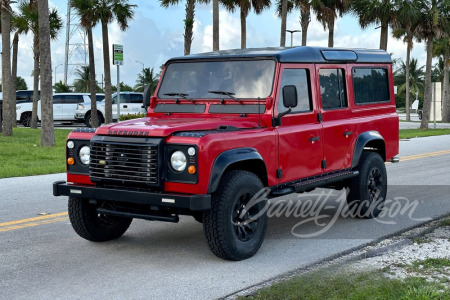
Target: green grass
328,284
412,133
431,263
22,155
445,222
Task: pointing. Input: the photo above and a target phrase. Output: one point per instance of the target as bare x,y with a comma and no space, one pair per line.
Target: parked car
226,131
130,103
64,107
23,96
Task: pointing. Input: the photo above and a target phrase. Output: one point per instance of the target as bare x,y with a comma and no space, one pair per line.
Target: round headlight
85,154
70,144
178,161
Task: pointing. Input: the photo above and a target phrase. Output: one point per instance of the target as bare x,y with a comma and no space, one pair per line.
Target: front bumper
191,202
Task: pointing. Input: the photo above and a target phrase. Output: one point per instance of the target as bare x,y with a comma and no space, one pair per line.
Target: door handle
313,139
347,133
125,106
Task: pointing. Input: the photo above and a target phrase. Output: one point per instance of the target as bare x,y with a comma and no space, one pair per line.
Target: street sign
117,54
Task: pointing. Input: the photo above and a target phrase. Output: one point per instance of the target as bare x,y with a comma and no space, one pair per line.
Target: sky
156,34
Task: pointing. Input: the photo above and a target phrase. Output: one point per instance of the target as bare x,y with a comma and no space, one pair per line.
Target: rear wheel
368,191
25,119
93,226
232,227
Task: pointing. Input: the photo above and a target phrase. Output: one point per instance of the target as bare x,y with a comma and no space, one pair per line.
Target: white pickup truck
64,107
130,103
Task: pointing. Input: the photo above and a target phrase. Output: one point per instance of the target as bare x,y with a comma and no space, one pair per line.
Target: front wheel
88,119
91,225
26,119
368,191
235,228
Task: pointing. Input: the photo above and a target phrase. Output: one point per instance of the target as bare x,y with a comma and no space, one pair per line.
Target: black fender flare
363,139
226,159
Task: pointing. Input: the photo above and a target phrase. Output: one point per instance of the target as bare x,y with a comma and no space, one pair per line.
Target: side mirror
147,96
289,96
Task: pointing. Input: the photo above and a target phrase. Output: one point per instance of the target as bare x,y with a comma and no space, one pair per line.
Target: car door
300,132
338,125
136,102
58,107
70,103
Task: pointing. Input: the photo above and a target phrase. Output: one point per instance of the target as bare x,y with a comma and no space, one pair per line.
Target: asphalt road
42,257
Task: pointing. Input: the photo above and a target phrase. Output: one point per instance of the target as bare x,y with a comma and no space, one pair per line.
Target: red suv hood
165,126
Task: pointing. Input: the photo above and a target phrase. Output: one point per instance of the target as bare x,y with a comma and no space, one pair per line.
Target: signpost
118,61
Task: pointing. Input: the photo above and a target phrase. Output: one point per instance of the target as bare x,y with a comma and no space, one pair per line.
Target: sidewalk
415,122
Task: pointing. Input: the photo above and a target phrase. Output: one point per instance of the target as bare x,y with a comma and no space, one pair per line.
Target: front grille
124,163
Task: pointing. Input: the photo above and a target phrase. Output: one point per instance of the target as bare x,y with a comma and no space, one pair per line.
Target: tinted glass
71,99
332,88
99,97
57,99
370,85
136,98
246,79
299,78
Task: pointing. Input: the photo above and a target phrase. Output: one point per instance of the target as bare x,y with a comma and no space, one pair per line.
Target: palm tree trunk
283,23
14,75
34,116
384,36
408,92
446,100
427,92
243,29
331,33
92,83
6,69
47,129
305,18
215,25
107,71
188,26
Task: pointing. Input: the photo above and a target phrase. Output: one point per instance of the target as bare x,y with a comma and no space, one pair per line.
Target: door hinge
279,173
319,117
324,164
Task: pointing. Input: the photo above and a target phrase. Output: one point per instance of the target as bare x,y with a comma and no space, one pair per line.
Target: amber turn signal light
70,161
192,170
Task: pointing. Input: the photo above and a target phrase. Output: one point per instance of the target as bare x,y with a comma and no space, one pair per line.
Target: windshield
214,79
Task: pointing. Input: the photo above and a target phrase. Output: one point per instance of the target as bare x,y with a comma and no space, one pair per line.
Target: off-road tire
226,239
87,119
25,119
367,192
92,226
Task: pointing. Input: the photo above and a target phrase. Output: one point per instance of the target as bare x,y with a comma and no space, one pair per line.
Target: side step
322,180
167,218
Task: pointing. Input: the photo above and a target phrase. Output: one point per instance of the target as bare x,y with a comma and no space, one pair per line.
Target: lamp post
292,33
56,69
141,64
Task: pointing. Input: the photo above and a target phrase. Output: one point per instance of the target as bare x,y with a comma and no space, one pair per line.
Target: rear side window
370,85
72,99
300,79
136,98
332,88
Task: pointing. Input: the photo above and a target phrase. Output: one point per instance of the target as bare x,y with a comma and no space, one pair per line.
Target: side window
57,99
21,96
136,98
332,88
370,85
99,97
299,78
72,99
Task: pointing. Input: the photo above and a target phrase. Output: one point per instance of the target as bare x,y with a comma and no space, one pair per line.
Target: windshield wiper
229,94
182,95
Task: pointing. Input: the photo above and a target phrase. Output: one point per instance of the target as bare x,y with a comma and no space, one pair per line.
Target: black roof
298,55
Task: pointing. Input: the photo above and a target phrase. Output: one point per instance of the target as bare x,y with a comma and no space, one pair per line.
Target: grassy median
413,133
22,155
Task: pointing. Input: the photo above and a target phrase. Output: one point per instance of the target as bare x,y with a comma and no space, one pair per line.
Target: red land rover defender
224,125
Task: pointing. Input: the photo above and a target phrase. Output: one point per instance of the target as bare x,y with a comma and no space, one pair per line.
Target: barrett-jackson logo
128,132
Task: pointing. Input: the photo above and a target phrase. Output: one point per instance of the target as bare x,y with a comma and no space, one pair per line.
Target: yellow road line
46,217
424,155
3,229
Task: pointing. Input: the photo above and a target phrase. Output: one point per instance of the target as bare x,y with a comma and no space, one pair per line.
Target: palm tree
188,21
106,11
215,25
283,14
245,6
441,48
82,83
305,17
146,78
60,87
404,26
327,11
378,12
47,129
88,19
416,79
6,69
431,25
29,11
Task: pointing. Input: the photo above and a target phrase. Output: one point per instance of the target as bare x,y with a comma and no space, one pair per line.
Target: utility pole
292,33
